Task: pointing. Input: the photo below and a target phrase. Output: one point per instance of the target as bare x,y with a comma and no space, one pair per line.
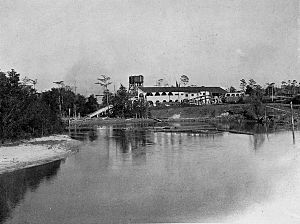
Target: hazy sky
214,42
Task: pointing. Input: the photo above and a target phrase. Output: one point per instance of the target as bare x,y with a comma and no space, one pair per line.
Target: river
124,176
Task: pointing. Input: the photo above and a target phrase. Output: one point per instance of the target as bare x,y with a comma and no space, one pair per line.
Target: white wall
179,96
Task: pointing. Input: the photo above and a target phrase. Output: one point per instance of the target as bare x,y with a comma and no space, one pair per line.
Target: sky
213,42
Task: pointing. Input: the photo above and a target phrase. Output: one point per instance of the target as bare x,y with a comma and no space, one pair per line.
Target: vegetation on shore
23,112
26,113
255,105
124,107
234,111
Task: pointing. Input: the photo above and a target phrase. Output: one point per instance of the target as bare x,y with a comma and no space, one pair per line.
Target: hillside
196,111
216,110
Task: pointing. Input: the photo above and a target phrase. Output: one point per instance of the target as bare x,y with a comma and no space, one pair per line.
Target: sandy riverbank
36,152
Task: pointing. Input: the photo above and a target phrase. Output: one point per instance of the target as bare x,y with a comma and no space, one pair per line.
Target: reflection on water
13,186
84,134
124,175
131,140
260,131
248,126
257,140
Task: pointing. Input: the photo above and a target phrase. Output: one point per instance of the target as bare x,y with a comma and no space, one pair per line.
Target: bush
23,112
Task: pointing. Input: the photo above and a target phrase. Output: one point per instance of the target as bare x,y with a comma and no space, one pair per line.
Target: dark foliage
232,89
124,107
91,105
257,108
23,112
107,98
70,103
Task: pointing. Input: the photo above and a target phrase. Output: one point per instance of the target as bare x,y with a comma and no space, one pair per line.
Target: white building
233,97
235,94
192,95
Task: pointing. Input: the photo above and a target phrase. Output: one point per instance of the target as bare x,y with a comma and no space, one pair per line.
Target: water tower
134,82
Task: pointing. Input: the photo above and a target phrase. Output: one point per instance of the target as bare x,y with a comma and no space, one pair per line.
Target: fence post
293,128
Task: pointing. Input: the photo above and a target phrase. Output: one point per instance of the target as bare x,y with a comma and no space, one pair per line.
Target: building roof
183,89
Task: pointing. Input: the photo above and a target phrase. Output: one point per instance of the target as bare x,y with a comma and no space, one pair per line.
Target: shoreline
36,152
107,121
88,123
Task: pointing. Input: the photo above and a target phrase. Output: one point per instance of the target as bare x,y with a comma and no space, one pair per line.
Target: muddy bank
36,152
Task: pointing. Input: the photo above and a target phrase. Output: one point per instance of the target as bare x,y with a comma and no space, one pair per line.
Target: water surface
121,176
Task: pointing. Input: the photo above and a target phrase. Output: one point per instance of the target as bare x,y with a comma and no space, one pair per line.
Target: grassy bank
192,114
203,111
213,111
80,123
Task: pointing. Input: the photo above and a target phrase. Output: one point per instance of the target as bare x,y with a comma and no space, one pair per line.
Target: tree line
257,96
289,87
25,113
124,104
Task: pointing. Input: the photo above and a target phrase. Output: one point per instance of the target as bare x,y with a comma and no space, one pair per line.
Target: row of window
164,101
171,94
233,94
170,101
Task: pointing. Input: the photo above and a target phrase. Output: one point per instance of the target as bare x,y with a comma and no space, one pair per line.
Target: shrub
23,112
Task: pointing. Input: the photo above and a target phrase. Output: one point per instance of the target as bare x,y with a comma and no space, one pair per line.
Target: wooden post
265,114
266,123
293,128
69,119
